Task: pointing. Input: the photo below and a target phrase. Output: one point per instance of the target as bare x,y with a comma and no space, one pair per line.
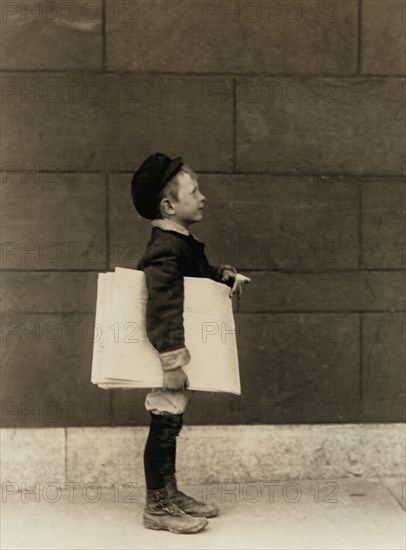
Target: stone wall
293,115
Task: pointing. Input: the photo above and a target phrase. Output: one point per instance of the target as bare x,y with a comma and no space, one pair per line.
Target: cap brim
173,167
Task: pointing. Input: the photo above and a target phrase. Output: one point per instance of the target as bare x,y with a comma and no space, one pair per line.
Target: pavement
350,513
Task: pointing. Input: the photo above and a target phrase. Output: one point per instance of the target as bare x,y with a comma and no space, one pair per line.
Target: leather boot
188,504
161,513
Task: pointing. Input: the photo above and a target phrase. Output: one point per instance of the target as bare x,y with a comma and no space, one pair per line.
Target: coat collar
169,225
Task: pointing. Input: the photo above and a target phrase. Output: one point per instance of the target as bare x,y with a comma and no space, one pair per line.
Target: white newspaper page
104,290
98,341
123,356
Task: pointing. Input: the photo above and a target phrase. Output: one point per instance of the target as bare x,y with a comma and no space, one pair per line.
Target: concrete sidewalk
349,513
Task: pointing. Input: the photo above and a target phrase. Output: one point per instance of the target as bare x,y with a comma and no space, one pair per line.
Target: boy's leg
166,409
159,403
159,459
160,448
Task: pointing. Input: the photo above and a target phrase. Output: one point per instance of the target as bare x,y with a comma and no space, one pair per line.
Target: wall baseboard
244,453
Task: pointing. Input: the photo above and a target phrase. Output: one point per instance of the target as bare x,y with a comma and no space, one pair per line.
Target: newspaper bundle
123,357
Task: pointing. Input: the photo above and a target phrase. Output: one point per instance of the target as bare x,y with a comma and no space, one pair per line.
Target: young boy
166,191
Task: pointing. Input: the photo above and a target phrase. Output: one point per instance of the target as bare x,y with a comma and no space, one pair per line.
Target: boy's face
188,208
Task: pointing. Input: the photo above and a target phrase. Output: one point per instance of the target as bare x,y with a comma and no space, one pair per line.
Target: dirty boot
188,504
161,513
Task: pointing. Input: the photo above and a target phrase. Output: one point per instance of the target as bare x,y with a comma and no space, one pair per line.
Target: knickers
162,401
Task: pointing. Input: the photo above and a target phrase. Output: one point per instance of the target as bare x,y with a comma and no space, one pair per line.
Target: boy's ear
166,205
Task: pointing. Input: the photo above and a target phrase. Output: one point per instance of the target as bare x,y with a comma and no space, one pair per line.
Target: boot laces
173,510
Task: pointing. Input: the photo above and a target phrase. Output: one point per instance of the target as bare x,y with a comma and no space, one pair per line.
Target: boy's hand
175,380
239,281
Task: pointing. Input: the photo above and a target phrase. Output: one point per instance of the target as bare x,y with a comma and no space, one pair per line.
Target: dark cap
149,180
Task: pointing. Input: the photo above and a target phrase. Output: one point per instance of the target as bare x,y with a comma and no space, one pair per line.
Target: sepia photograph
203,274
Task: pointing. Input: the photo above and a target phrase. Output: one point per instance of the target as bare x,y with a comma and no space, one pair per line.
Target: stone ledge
109,455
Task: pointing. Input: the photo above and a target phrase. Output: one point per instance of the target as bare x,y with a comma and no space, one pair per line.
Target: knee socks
160,448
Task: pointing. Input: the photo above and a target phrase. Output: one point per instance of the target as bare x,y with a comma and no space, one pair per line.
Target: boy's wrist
228,275
225,267
174,359
230,267
220,271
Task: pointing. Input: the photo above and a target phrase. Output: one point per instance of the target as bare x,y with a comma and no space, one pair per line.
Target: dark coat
168,258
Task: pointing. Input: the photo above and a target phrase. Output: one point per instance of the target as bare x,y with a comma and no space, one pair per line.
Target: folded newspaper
123,357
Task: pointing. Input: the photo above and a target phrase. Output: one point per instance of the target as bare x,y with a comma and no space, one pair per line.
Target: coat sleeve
164,310
216,273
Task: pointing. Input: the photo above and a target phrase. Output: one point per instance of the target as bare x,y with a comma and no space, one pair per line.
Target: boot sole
150,523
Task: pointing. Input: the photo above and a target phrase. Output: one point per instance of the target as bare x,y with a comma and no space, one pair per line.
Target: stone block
223,37
29,456
106,455
383,367
383,224
230,453
53,221
48,292
312,126
220,454
46,371
383,45
350,291
52,35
